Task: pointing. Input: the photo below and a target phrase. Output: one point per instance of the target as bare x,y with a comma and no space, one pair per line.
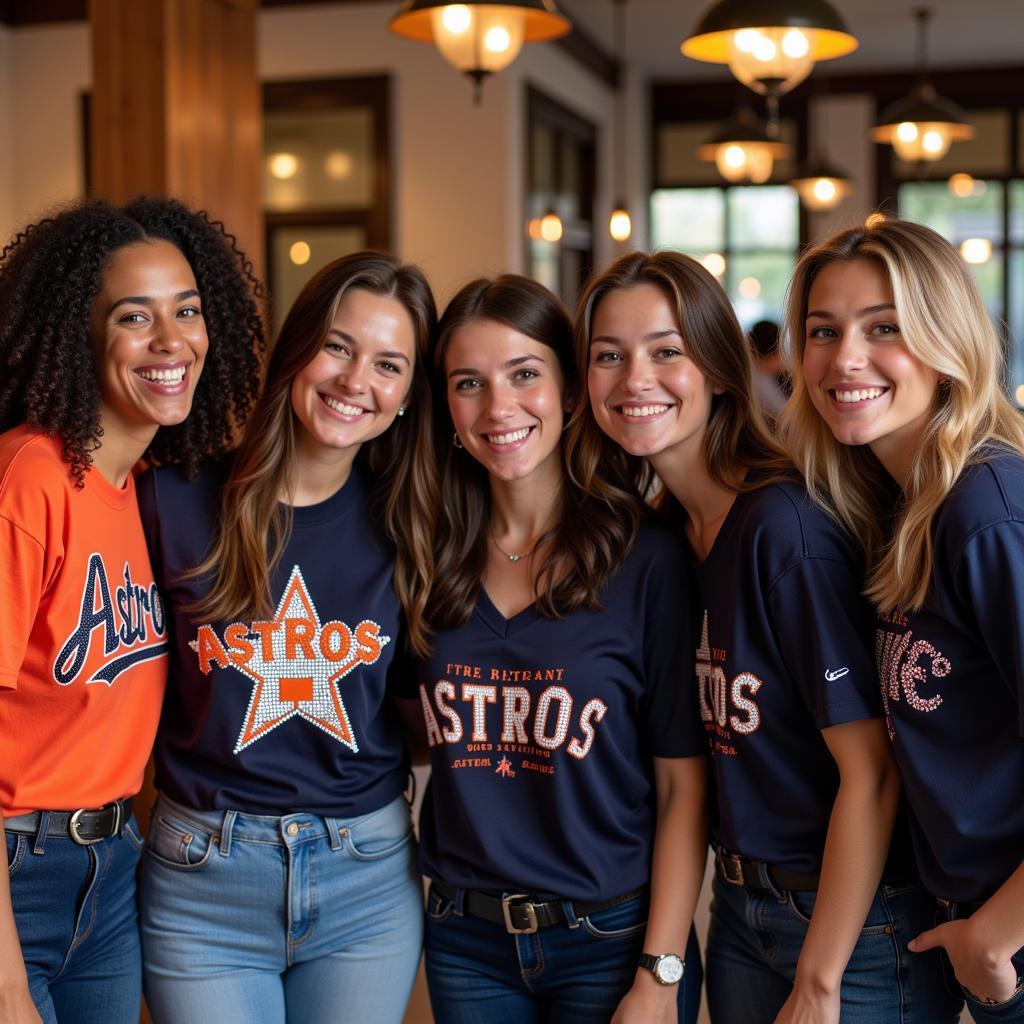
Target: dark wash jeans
1012,1010
756,937
76,914
479,974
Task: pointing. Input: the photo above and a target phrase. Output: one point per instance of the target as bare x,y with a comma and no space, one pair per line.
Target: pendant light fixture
620,224
770,45
923,125
744,149
483,37
820,185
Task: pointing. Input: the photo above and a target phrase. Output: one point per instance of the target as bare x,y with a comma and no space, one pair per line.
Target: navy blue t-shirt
953,684
542,733
290,714
784,652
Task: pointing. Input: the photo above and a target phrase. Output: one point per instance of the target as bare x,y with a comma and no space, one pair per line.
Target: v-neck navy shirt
542,734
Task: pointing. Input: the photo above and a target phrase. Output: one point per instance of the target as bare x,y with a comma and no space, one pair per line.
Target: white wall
49,67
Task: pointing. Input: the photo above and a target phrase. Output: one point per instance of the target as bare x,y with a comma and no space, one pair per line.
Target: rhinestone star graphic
307,661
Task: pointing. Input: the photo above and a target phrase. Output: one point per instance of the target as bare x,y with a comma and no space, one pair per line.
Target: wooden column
177,109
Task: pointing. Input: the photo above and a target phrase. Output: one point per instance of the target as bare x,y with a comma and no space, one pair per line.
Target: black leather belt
84,826
521,914
739,870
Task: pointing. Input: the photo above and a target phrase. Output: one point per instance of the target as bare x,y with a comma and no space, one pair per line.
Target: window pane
319,160
1017,213
756,283
763,217
1016,326
690,220
956,218
297,253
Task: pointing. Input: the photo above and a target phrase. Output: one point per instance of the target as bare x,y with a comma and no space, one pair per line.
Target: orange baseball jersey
83,640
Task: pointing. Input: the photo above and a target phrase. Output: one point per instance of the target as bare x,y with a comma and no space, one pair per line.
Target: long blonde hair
945,325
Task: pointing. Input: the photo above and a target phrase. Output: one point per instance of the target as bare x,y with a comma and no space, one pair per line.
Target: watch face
670,969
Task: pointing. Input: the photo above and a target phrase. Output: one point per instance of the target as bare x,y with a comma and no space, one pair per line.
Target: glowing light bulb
457,18
749,288
551,227
735,156
824,190
976,250
746,39
795,44
620,225
907,132
931,142
299,253
961,185
714,263
339,165
283,165
497,39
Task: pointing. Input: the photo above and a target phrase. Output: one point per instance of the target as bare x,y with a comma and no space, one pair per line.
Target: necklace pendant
514,558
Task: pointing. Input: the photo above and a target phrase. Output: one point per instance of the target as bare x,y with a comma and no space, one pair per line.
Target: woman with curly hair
901,425
280,879
563,831
811,909
124,333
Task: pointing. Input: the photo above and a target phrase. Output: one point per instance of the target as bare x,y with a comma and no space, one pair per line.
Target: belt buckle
727,859
76,818
531,914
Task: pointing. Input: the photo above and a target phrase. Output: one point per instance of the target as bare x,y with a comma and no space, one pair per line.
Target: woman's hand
16,1006
648,1002
986,975
805,1006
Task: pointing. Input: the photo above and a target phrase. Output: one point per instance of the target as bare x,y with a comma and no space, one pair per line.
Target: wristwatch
667,967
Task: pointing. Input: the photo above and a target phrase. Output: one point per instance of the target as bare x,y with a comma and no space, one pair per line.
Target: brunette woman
563,829
279,881
898,415
806,792
114,324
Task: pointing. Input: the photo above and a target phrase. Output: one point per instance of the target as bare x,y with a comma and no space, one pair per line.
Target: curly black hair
49,277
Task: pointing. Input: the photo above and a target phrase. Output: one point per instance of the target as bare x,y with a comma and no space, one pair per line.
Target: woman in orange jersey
115,323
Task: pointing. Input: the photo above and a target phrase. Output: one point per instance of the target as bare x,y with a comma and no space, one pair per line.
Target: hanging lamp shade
770,45
820,185
743,150
923,125
483,37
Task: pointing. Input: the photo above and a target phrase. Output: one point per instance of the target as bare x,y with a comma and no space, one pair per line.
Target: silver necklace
508,554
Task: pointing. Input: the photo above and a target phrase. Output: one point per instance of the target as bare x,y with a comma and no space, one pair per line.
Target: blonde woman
898,416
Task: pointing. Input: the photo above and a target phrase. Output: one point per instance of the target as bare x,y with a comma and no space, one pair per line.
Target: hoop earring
456,440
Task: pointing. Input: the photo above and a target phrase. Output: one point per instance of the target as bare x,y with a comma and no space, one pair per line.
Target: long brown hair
597,525
737,438
944,324
254,526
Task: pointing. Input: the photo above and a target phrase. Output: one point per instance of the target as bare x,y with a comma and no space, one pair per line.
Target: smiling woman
280,882
123,333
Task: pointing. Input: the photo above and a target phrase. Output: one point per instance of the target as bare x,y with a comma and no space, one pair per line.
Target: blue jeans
567,973
756,937
75,910
1012,1010
262,919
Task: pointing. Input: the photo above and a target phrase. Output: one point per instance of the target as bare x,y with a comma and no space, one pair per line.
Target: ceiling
962,34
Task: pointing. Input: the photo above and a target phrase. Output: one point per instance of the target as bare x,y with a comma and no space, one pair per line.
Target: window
325,177
561,178
747,236
976,200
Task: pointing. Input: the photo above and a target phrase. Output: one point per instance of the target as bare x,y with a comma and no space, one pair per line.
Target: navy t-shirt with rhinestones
784,652
542,733
292,713
953,683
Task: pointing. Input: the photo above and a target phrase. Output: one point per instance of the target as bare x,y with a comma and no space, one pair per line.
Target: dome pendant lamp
922,126
483,37
743,149
820,186
770,45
